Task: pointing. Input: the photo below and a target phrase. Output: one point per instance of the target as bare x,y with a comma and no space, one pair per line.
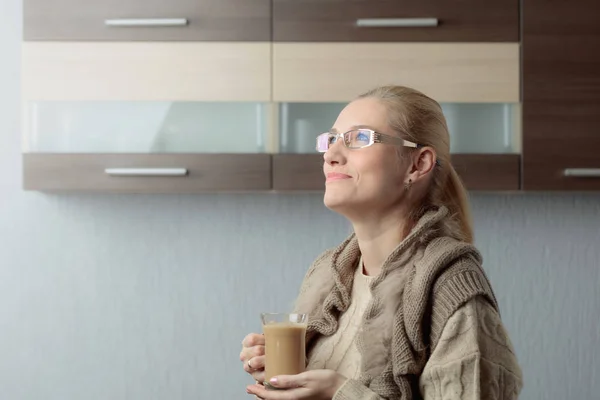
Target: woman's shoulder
442,259
447,274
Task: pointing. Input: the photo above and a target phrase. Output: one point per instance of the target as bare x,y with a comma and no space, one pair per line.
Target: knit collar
344,261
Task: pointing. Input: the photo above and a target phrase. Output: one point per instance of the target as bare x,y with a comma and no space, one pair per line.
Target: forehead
363,113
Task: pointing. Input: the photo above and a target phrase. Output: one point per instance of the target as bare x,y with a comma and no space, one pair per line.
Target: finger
250,352
259,376
288,381
263,393
250,392
253,339
255,364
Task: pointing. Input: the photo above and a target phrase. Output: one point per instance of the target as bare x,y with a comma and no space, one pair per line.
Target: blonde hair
419,118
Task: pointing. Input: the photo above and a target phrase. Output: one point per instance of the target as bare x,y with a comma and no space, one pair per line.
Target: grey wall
148,297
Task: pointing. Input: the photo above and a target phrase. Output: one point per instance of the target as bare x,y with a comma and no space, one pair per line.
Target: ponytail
454,196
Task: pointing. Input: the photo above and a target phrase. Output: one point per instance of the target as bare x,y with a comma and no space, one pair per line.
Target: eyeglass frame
374,137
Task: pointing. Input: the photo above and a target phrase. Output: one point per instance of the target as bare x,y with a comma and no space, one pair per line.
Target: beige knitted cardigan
422,283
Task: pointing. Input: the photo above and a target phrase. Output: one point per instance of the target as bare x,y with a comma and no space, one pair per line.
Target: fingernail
273,380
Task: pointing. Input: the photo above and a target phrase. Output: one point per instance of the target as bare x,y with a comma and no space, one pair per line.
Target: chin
336,200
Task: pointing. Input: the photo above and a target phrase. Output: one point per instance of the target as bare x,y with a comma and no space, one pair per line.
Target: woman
402,308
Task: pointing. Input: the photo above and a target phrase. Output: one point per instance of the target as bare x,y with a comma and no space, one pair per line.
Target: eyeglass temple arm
404,142
397,140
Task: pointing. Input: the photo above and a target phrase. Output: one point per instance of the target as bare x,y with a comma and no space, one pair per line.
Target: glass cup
285,344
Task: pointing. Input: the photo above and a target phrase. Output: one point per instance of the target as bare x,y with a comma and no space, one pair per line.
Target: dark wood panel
206,172
298,172
489,172
561,93
208,20
479,172
558,136
335,20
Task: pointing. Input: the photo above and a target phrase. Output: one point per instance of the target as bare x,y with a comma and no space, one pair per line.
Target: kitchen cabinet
395,21
147,20
561,95
464,54
126,97
154,97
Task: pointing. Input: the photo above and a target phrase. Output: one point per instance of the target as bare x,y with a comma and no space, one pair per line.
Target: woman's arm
474,358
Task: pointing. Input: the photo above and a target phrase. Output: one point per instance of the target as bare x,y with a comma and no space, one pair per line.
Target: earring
408,185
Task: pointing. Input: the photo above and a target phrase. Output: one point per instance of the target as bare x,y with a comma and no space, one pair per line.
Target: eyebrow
355,127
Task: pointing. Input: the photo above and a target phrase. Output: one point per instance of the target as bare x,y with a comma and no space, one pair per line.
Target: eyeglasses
359,138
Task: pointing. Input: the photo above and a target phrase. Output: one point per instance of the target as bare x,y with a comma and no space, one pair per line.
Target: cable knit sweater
428,324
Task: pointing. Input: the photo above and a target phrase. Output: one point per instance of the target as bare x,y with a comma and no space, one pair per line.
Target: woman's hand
320,384
253,356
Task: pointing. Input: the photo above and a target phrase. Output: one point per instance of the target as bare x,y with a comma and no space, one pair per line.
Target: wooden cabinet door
561,97
147,20
146,173
396,20
479,172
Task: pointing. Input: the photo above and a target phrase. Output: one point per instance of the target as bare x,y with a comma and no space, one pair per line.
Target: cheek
381,170
381,176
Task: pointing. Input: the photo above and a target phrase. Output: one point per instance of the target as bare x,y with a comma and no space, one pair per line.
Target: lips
336,176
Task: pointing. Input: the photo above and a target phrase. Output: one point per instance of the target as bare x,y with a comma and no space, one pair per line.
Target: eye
362,137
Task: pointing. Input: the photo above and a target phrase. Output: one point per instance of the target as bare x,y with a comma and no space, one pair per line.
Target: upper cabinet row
277,20
200,95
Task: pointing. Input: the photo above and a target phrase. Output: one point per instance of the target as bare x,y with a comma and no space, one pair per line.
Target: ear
423,162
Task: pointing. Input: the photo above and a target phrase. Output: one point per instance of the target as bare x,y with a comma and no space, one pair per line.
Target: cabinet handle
582,172
145,22
146,171
396,22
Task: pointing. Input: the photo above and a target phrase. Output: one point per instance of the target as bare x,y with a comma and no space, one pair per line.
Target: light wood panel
210,71
205,172
448,72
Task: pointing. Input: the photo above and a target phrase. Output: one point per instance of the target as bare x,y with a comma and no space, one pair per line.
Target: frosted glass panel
145,127
302,122
483,128
474,128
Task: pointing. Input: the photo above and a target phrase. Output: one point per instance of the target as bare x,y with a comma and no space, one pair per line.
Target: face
366,180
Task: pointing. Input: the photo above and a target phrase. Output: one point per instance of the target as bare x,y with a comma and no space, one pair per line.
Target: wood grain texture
479,172
210,71
209,20
335,20
206,172
561,93
448,72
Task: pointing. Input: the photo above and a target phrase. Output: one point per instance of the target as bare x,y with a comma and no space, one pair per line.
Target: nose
336,154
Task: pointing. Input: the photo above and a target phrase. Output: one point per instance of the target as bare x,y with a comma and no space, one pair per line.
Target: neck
378,237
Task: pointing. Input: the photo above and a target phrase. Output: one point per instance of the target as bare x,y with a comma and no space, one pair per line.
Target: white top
338,352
